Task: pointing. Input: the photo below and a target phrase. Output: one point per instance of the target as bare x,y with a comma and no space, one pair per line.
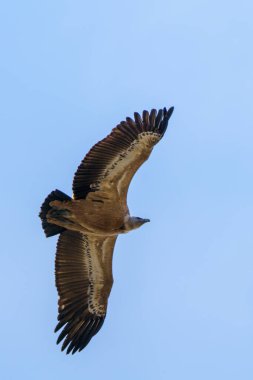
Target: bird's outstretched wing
111,163
83,270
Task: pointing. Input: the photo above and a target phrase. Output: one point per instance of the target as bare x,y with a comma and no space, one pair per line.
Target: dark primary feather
91,169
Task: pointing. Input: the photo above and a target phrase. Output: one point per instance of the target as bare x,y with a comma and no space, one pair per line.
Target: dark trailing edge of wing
94,163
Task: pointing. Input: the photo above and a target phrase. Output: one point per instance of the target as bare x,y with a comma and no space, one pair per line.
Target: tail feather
49,228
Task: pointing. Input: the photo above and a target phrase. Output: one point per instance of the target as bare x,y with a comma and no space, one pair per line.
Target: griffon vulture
90,222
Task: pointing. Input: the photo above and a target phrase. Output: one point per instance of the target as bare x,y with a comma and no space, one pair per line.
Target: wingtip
164,119
169,112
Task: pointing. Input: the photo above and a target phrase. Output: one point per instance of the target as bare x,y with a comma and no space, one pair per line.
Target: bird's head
134,222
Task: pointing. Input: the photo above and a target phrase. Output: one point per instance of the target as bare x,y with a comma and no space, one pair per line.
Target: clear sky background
182,305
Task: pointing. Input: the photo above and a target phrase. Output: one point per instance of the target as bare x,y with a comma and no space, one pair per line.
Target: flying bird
90,222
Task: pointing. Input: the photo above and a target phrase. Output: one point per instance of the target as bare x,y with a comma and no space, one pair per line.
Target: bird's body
95,215
90,222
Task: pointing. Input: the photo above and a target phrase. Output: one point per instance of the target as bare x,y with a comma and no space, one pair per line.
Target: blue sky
181,306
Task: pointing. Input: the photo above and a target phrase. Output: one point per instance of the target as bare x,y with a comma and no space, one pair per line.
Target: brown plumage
90,222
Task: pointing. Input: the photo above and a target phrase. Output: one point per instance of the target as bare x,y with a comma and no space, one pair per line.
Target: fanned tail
49,228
